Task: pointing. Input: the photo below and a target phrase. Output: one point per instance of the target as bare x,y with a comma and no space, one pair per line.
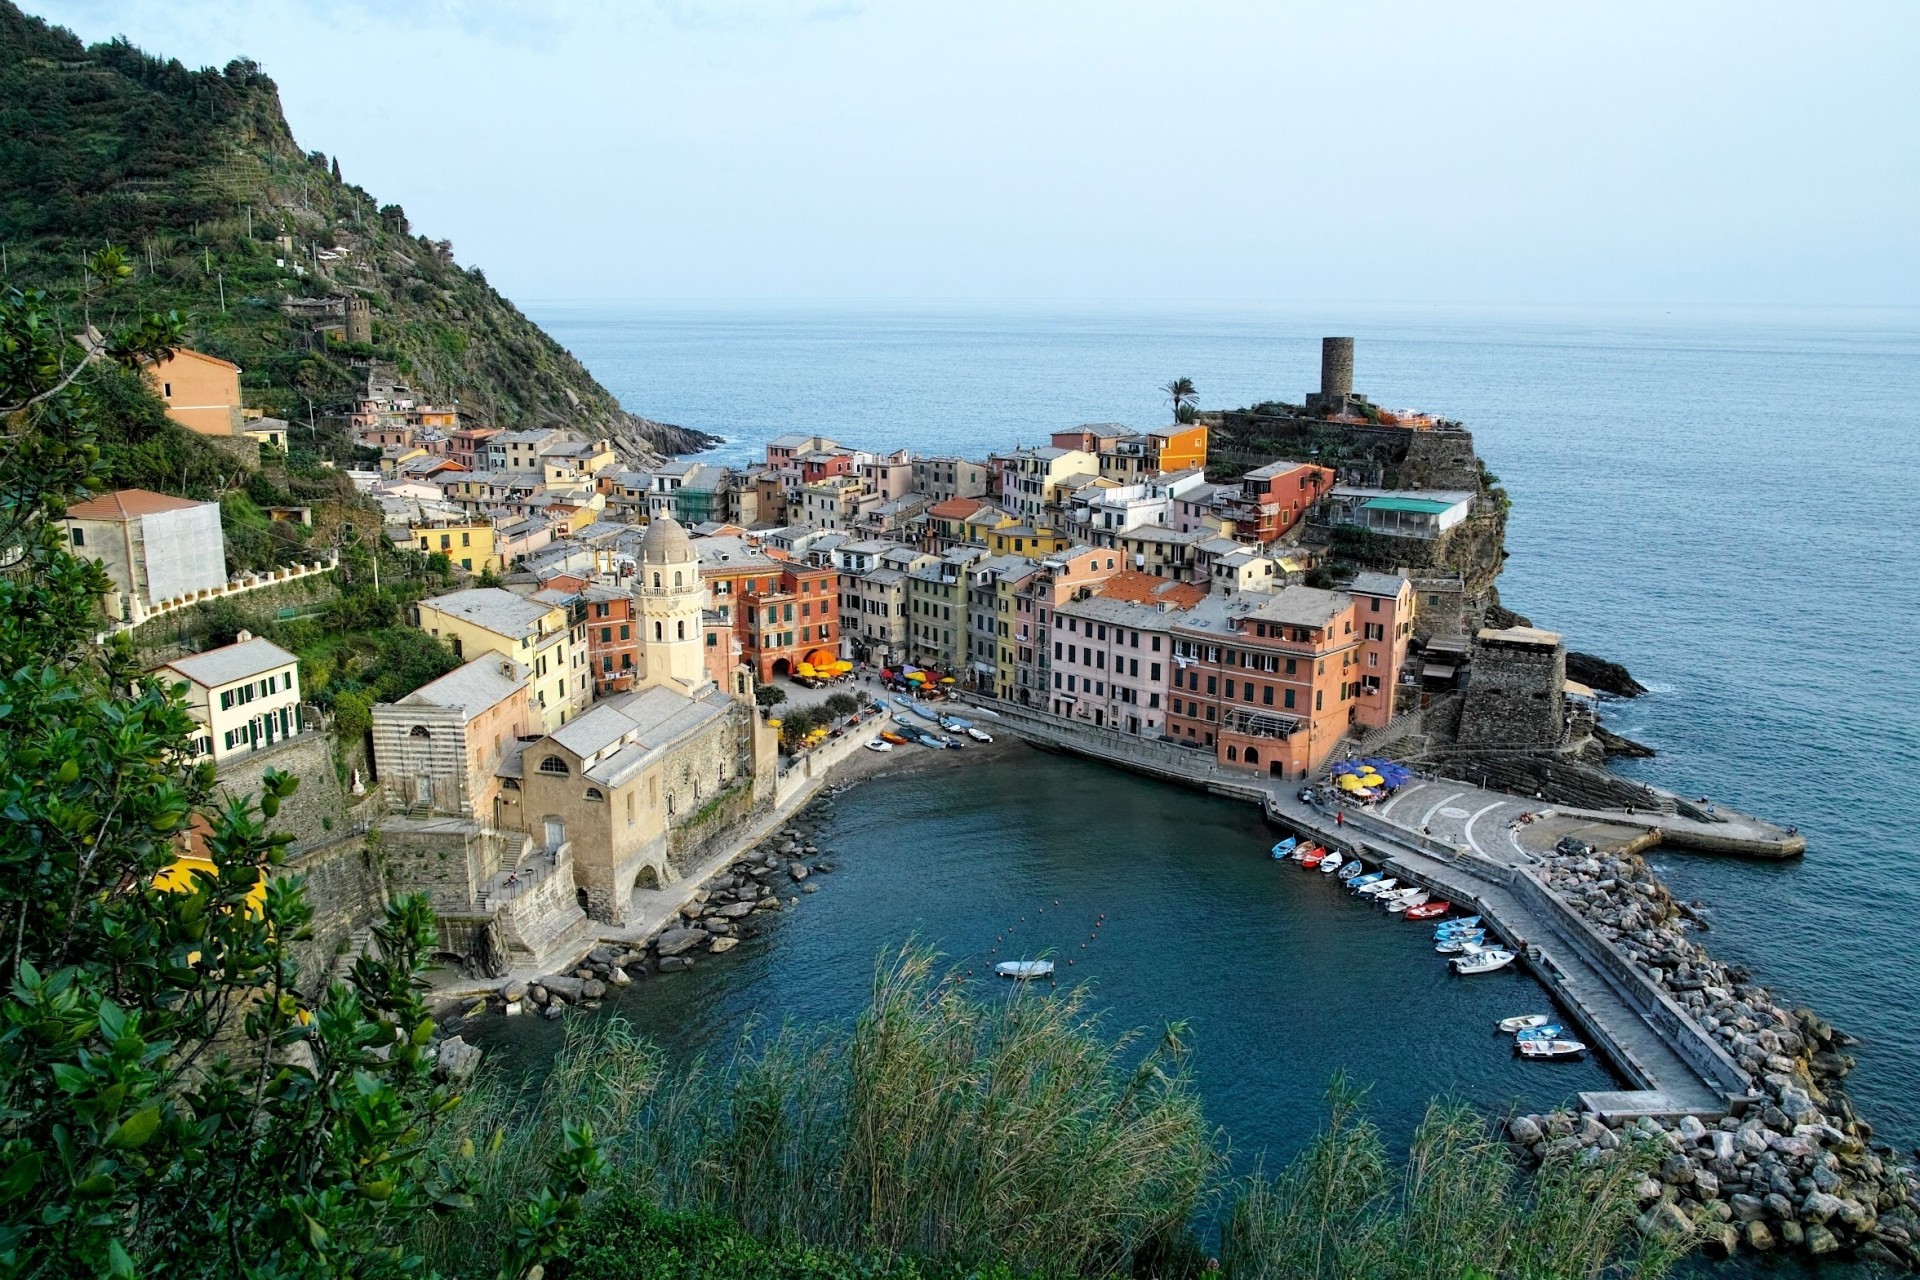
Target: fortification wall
1516,696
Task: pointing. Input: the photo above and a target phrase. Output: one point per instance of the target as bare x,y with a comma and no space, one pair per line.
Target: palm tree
1182,393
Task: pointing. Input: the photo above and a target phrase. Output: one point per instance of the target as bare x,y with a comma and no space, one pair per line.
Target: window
555,765
658,632
1153,672
419,731
1319,699
596,795
1266,694
79,537
1288,700
606,635
629,808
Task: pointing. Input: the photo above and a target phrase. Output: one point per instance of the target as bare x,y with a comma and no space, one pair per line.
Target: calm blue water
1728,503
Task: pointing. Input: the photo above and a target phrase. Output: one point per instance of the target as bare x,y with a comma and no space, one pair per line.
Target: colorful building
1112,651
780,611
1272,500
202,391
539,635
244,696
469,543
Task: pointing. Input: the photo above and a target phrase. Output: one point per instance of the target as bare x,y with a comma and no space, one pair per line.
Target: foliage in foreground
938,1126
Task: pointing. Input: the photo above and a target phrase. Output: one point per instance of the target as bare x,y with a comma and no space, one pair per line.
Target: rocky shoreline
1795,1167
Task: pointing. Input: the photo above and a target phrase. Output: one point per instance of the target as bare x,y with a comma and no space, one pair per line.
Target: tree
174,1099
842,704
1182,393
769,695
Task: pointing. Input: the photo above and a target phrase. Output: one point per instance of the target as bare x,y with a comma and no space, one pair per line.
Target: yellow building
202,391
538,635
1025,540
977,526
467,543
395,456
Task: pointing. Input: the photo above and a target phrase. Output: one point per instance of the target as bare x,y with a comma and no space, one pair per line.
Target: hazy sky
1418,151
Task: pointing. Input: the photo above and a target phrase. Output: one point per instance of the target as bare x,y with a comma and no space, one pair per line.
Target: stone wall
1515,695
348,892
448,859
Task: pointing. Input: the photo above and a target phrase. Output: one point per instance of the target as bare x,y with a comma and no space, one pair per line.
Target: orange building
202,391
1154,453
781,611
1271,684
1273,499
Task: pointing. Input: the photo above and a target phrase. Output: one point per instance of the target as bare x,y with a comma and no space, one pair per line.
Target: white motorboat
1484,960
979,735
879,745
1024,970
1524,1022
1378,887
1331,866
1411,900
1550,1050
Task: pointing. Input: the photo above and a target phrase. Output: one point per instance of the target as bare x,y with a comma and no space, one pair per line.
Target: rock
1647,1189
553,1010
798,870
1857,1217
564,985
674,941
1720,1239
1705,1185
809,888
735,910
514,991
720,927
1751,1139
1820,1205
619,977
1665,1221
1592,1133
723,944
1691,1130
674,964
1759,1236
1722,1143
1792,1234
593,989
1821,1241
1523,1130
1746,1208
603,954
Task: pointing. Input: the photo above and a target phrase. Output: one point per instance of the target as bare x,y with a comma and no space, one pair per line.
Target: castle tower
1336,368
671,598
359,313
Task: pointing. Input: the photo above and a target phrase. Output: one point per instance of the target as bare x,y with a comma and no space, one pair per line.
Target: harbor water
1729,503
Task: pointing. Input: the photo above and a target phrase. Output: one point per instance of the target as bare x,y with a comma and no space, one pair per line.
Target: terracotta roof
128,503
956,508
1145,588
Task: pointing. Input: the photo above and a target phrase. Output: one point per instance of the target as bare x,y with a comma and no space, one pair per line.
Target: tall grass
1457,1208
939,1125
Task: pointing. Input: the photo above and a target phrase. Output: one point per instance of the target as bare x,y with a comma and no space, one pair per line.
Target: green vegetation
1185,399
841,704
769,695
196,177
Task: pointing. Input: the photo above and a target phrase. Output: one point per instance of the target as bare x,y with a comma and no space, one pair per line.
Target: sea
1728,502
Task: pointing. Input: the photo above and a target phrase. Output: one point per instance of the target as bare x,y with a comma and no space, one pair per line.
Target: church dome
666,543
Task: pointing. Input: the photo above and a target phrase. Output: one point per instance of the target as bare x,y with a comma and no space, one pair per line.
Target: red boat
1428,910
1312,856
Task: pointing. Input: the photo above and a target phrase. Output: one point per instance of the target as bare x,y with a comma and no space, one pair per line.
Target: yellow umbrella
1372,780
804,669
946,680
843,665
1347,782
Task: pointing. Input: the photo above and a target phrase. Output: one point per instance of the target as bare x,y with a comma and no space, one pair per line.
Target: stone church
567,824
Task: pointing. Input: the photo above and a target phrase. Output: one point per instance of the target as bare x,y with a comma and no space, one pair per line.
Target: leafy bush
842,704
769,695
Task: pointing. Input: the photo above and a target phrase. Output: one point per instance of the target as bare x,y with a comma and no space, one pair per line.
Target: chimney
1336,367
241,637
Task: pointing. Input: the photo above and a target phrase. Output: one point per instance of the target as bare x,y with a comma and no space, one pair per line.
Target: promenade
1468,854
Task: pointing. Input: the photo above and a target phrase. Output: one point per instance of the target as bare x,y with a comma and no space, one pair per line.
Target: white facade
245,696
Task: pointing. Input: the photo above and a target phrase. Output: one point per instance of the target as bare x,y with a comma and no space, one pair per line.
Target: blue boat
1551,1032
1361,882
1285,847
931,740
913,708
954,724
1462,925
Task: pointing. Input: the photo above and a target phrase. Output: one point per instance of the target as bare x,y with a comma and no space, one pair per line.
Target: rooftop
128,504
495,608
1369,583
485,682
1303,606
230,663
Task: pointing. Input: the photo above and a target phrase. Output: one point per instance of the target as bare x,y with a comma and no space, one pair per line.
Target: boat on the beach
1482,961
1378,887
931,740
1522,1022
878,744
1461,925
1285,847
1331,864
1550,1050
888,735
954,724
979,735
1024,970
1429,910
1412,900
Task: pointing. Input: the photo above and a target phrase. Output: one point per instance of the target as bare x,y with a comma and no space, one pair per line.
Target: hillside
197,175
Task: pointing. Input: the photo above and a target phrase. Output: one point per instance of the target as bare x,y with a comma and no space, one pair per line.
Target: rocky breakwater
1794,1167
734,904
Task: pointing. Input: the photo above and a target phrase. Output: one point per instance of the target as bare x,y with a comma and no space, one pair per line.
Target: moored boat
1378,887
1365,878
1552,1031
1482,961
1024,970
1429,910
879,745
1331,864
1455,946
1301,852
1409,902
1461,925
1314,858
1285,847
1550,1050
1522,1022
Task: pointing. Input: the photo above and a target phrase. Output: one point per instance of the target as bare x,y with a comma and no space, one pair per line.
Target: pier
1674,1066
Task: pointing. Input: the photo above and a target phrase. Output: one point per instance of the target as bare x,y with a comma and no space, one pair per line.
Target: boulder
456,1060
593,989
1720,1239
1821,1242
674,964
1691,1130
674,941
734,910
1820,1205
1792,1234
553,1010
1745,1207
1524,1130
619,977
809,888
1778,1206
798,870
514,991
1665,1221
1759,1236
723,944
1857,1217
564,985
1705,1185
537,994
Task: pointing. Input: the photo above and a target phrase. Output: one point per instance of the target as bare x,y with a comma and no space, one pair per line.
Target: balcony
1258,724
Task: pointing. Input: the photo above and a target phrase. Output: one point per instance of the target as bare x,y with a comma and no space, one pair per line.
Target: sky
1748,153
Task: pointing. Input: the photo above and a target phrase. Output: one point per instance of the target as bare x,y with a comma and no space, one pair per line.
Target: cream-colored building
245,696
539,635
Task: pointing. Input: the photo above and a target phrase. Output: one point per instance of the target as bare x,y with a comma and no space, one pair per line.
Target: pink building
1384,608
1112,651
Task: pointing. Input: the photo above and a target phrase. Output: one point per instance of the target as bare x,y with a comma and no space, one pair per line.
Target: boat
1314,858
1331,864
1522,1022
1302,852
1285,847
979,735
952,744
877,744
1365,878
1552,1031
1403,891
1429,910
954,724
1483,961
1550,1050
1460,925
1409,902
931,740
1465,942
1378,887
888,735
1024,970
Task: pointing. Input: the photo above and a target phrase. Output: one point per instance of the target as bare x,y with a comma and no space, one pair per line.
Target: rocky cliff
197,178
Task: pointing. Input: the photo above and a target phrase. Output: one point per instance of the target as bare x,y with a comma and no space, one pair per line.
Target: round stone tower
359,313
671,597
1336,368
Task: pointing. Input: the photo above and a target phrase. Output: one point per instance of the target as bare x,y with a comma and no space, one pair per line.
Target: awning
1437,671
1575,689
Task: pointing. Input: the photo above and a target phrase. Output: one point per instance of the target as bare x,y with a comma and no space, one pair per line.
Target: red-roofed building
154,547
